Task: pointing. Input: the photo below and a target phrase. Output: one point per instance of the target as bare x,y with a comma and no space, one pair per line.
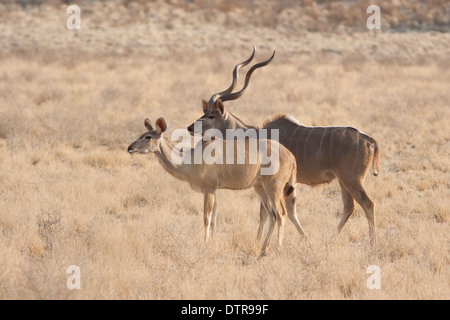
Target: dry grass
71,195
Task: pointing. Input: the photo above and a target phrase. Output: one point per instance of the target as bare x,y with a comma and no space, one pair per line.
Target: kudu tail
376,158
289,188
288,191
375,150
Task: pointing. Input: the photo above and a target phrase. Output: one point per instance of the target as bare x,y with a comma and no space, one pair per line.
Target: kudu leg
281,213
214,216
208,209
358,193
277,203
263,214
272,220
349,207
270,211
292,212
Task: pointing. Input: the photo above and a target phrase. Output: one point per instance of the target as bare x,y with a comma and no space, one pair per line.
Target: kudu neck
165,157
237,123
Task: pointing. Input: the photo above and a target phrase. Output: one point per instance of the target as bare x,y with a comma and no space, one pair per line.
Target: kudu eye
148,137
211,117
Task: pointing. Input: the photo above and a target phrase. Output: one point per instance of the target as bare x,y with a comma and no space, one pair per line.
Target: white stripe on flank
357,149
304,147
297,149
323,136
293,136
342,138
307,138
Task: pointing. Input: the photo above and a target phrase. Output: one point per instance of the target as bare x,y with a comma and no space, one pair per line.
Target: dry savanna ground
72,101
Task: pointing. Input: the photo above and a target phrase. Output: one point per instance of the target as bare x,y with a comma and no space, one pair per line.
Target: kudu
321,153
209,176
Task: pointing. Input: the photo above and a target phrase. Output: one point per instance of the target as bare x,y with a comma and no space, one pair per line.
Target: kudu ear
161,125
205,106
220,107
148,124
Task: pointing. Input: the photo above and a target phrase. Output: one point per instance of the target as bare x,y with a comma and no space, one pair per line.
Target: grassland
72,101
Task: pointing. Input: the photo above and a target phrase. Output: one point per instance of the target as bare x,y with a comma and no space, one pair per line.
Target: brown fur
322,154
207,178
325,153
